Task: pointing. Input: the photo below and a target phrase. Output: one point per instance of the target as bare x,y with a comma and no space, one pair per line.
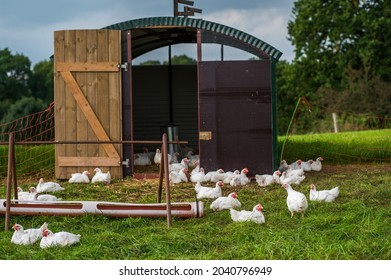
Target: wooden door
87,95
236,116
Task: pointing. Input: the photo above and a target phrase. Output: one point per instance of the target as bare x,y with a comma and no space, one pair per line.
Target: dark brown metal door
236,116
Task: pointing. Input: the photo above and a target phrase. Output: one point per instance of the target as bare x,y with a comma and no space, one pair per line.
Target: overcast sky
27,26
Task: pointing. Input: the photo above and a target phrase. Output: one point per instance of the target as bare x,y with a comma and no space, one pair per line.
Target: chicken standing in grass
226,202
255,215
296,201
26,236
323,195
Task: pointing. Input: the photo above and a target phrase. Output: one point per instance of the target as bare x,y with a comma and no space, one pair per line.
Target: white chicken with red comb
77,178
101,176
178,177
26,236
209,192
255,215
241,179
226,202
61,238
296,201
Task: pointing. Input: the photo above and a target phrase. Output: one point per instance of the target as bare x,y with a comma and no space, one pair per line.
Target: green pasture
354,227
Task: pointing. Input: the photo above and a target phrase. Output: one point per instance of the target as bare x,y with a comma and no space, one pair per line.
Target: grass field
354,227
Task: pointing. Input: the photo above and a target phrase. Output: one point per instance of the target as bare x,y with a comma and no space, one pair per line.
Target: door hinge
124,66
125,162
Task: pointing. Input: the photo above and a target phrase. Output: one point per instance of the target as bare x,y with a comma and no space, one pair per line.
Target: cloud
269,25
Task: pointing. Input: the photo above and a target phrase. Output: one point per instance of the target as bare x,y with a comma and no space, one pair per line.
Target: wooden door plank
70,104
59,100
92,87
89,113
88,161
81,78
115,93
87,66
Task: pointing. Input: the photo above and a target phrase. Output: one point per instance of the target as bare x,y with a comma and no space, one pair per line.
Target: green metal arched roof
186,22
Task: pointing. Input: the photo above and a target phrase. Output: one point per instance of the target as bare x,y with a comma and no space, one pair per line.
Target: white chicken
48,186
80,177
296,164
178,177
215,176
26,236
323,195
296,201
158,157
255,215
267,179
283,166
306,165
317,164
292,180
193,159
226,202
294,172
241,179
101,177
141,159
197,176
178,166
229,175
61,238
209,192
22,195
34,195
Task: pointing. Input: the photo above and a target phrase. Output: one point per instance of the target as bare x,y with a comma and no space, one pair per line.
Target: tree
41,82
14,75
343,52
24,106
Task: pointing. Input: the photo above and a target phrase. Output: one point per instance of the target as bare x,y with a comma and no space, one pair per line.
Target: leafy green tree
41,82
23,107
182,60
14,75
343,53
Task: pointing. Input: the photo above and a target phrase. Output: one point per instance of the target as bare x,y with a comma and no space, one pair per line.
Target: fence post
11,174
335,122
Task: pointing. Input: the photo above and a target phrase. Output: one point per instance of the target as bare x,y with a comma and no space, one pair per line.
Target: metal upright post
167,179
10,175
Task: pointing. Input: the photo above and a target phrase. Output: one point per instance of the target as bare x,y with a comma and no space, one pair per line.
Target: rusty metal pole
167,179
11,172
161,174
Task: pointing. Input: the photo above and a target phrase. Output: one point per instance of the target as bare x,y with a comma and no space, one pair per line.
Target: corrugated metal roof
200,24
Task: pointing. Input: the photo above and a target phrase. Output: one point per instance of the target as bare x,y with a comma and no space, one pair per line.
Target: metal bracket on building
205,135
126,163
124,66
